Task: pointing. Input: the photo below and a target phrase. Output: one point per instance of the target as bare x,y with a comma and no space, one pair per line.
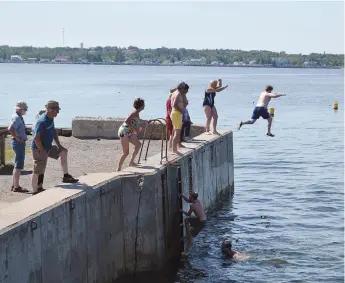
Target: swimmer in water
229,252
260,109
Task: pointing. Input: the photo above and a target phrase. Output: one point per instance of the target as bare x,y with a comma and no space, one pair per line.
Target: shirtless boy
260,109
178,101
194,224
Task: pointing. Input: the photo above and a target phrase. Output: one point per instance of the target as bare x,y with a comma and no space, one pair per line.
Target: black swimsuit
209,99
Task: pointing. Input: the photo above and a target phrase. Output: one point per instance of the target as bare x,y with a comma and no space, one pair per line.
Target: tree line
159,55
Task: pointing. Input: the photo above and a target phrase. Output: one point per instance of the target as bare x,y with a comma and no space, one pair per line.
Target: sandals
270,135
19,190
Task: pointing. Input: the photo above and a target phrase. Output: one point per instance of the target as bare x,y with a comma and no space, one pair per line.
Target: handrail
163,137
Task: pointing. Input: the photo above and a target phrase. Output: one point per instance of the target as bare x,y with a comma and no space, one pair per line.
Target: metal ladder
164,136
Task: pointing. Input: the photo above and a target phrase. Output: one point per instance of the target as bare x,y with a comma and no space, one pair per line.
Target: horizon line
203,49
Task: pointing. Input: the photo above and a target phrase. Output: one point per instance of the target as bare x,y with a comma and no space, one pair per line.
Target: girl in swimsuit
208,104
128,133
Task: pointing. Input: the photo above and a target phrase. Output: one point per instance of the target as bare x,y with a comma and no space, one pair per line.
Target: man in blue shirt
42,147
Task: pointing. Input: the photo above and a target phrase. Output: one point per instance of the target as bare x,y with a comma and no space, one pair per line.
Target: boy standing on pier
194,225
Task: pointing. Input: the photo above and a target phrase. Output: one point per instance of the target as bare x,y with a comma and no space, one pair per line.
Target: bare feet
208,133
239,126
132,164
216,133
118,169
177,153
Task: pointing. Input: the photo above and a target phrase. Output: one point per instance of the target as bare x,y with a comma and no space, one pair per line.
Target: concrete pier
111,224
92,127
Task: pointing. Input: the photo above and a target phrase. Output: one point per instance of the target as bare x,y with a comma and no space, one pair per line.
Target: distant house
44,60
61,59
178,63
310,64
32,60
167,63
281,62
199,61
16,59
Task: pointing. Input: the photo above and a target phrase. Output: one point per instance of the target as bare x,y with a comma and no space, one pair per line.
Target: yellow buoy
335,105
272,111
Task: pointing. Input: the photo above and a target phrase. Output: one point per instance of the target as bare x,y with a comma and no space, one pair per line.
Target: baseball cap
53,104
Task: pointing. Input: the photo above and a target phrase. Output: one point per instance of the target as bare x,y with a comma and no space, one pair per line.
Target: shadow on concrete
7,169
76,186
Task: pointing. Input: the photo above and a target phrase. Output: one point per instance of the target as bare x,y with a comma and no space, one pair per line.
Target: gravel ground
84,156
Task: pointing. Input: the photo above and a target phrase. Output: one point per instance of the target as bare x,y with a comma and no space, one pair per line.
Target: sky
290,26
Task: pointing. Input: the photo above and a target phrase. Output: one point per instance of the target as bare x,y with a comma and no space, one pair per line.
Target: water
287,211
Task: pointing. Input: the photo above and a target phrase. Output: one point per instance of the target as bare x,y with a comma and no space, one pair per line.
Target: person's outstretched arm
276,95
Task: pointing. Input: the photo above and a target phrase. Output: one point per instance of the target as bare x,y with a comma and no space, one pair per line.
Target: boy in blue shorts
260,109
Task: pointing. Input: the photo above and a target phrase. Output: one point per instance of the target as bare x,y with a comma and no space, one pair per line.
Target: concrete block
131,196
20,253
174,220
198,172
230,162
105,241
64,257
92,127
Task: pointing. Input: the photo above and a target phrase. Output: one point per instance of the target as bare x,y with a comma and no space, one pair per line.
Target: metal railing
164,136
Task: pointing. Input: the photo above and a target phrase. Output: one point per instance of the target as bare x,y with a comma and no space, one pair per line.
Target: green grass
9,156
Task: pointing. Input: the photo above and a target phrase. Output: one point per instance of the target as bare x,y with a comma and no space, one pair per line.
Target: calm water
288,207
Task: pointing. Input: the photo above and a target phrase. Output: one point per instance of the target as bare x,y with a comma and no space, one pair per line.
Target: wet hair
268,88
226,244
138,103
194,195
183,86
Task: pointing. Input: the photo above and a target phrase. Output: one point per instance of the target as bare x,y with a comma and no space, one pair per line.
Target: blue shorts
19,154
260,112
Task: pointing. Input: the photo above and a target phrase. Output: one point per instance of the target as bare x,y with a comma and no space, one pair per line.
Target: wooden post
3,147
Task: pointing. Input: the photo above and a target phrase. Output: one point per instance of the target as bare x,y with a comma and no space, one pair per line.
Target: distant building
310,64
199,61
32,60
281,62
16,59
61,59
178,63
81,45
44,60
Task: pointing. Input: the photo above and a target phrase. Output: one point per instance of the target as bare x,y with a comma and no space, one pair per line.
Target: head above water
139,104
226,244
269,88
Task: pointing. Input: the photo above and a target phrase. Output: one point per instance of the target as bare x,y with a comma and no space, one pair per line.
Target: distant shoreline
163,65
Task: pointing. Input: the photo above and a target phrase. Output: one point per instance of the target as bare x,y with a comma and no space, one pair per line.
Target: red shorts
169,126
